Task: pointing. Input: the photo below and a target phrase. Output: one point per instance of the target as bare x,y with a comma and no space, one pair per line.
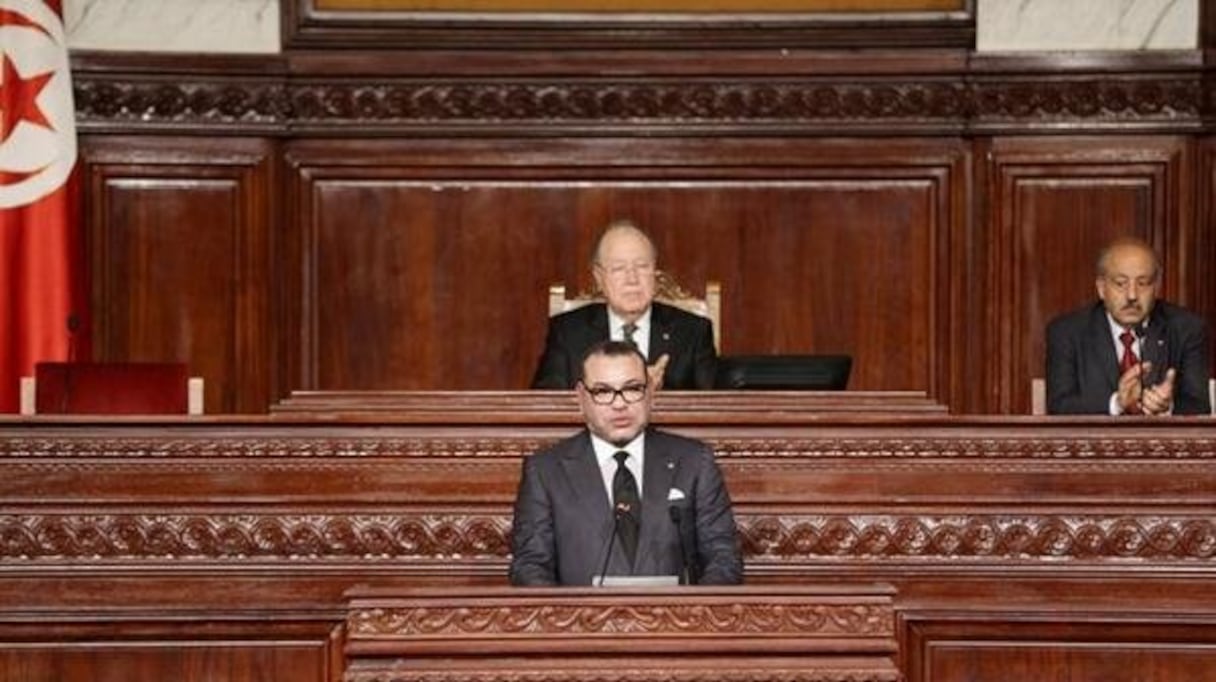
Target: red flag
40,283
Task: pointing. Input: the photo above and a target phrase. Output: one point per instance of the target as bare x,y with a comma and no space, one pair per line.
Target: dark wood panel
185,661
178,238
204,650
1053,204
820,247
1199,269
1118,648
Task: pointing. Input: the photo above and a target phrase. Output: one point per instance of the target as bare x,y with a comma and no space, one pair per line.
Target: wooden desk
834,633
1049,547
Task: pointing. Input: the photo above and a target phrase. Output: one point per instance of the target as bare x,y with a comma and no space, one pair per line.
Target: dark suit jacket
687,338
563,517
1083,365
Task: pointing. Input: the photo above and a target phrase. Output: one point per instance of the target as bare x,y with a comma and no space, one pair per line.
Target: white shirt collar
604,452
616,330
1116,331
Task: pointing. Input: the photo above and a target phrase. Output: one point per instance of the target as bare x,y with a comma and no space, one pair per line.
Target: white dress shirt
604,452
641,335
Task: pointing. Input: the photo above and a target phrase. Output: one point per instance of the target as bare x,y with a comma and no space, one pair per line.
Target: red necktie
1128,361
1129,358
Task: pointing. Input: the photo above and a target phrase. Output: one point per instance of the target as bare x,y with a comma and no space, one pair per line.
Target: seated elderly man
1128,353
678,345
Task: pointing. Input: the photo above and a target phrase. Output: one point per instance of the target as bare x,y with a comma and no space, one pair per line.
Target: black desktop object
784,372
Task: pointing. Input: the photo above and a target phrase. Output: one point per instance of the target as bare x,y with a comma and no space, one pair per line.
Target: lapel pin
671,465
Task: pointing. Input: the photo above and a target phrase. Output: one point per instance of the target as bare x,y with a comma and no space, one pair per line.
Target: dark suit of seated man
679,344
1128,353
606,501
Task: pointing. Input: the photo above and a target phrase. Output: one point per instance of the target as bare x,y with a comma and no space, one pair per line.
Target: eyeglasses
1123,284
622,270
606,395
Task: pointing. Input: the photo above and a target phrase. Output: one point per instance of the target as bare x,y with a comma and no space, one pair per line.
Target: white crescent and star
37,118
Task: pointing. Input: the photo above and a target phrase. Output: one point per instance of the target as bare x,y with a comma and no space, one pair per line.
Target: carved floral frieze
1074,451
482,539
649,616
951,102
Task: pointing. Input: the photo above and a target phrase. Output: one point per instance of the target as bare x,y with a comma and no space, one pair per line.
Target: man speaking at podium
621,499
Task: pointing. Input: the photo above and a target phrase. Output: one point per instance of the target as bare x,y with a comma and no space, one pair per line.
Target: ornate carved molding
733,632
247,538
482,539
984,537
983,451
651,616
686,102
957,102
1138,100
193,102
304,448
627,673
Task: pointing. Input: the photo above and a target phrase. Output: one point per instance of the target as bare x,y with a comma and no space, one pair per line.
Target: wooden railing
166,547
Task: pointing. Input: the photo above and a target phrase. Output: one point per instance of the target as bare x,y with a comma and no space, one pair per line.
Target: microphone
1140,331
678,510
73,323
617,512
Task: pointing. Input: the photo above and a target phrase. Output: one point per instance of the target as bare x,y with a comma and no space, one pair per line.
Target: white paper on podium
635,580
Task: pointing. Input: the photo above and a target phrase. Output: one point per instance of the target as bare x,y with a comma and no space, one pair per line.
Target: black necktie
626,504
629,328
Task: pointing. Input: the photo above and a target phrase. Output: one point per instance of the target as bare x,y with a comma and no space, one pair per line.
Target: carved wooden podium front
740,634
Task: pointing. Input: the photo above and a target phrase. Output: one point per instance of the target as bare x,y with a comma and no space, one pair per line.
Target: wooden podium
744,634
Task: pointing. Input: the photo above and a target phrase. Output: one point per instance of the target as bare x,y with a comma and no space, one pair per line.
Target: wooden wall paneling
1053,202
178,239
973,385
424,263
723,98
1199,284
957,647
202,648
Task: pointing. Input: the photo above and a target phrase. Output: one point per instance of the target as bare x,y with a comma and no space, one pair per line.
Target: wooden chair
1038,396
111,388
668,291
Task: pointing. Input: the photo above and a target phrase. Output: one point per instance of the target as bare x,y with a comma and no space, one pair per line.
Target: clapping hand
655,371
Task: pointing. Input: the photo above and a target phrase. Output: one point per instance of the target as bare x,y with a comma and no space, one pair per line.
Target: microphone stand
689,575
1142,338
616,526
66,393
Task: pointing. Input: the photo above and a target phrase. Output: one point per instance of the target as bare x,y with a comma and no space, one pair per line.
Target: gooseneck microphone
690,573
66,394
617,512
1140,331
